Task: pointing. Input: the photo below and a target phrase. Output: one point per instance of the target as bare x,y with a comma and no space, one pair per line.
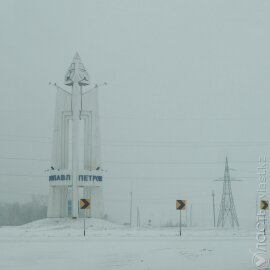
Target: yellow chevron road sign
264,205
84,203
181,204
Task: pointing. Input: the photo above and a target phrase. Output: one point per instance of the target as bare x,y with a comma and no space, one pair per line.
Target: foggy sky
188,85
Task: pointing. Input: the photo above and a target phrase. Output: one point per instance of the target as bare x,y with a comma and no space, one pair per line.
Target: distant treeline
12,214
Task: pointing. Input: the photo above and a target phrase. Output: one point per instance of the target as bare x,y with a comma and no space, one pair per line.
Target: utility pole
138,217
180,224
190,216
186,218
130,211
214,210
256,207
84,223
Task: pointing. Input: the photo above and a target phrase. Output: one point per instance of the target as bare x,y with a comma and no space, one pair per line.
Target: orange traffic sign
181,204
84,203
264,205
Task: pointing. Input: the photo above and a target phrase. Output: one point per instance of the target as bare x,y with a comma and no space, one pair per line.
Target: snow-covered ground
59,244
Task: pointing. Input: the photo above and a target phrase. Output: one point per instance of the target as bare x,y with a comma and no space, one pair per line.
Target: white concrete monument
75,166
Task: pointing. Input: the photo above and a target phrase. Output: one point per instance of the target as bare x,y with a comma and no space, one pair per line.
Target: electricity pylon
227,212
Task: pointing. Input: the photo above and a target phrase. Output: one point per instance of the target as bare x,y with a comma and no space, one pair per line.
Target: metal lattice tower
227,212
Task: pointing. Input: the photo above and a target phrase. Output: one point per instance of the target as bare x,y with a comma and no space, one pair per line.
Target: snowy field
59,244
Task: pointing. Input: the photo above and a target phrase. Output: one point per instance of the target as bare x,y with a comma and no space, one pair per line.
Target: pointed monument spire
77,68
76,57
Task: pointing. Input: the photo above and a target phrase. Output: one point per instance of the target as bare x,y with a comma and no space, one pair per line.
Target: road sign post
180,226
84,225
180,205
264,205
84,204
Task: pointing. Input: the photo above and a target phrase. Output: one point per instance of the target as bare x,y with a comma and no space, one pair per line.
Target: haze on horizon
188,85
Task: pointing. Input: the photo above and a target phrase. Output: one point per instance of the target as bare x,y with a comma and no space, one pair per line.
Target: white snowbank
59,244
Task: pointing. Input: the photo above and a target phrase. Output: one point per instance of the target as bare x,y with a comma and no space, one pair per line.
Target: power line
137,162
144,142
247,145
25,136
171,163
23,175
25,141
187,178
23,158
179,142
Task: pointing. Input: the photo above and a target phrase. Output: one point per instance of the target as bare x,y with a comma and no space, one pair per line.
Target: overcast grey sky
188,84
